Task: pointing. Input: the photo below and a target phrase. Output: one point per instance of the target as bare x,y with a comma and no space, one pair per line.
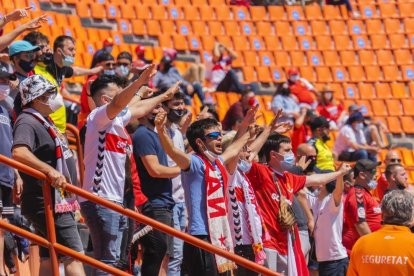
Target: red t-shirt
330,111
360,206
382,186
303,94
267,196
300,135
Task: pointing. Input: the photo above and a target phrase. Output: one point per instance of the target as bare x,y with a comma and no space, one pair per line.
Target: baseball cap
21,46
318,122
108,42
355,117
326,89
139,65
139,49
4,72
293,71
34,87
366,165
169,52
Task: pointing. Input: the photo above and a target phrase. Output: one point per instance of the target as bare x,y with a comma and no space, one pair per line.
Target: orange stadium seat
331,12
176,13
409,25
199,2
367,57
383,90
138,27
215,28
394,124
82,9
207,13
158,12
374,26
361,42
282,59
276,13
125,26
248,28
272,43
403,57
398,41
406,9
240,43
338,27
298,58
315,58
180,42
313,12
112,12
368,11
324,43
356,27
182,3
153,27
351,92
199,28
306,43
398,90
278,75
168,27
356,73
250,58
191,13
143,12
283,28
289,43
407,124
366,91
301,28
266,58
323,74
308,73
385,57
339,74
257,43
208,42
338,91
388,10
249,74
222,13
366,108
373,73
348,58
319,28
264,29
258,13
295,13
379,41
407,156
393,26
342,42
225,40
240,13
194,43
165,41
391,73
331,58
263,74
184,27
150,2
231,28
408,106
407,72
378,108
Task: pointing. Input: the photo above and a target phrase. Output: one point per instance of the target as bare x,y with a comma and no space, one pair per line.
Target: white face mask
4,91
55,102
122,71
244,166
210,155
372,184
294,78
359,126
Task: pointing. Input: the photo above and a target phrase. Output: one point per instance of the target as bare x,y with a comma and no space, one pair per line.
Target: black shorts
6,201
66,231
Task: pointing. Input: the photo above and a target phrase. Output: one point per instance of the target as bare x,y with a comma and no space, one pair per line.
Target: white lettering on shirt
392,260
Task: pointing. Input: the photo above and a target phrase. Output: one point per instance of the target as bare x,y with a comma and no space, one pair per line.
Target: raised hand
34,24
18,14
145,92
186,122
282,128
345,168
203,114
250,117
160,120
303,163
146,75
273,123
172,90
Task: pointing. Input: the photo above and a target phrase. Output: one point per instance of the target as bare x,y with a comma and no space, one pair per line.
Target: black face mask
27,66
175,115
46,58
311,166
325,137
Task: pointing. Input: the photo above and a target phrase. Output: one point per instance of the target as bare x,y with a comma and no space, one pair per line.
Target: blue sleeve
195,165
156,79
144,143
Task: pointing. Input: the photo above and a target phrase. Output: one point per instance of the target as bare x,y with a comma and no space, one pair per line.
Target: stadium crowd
278,195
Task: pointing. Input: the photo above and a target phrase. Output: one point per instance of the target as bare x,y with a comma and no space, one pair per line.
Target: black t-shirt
59,73
31,133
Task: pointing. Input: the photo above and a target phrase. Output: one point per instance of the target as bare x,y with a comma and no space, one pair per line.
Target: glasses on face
29,55
123,64
395,160
109,64
213,135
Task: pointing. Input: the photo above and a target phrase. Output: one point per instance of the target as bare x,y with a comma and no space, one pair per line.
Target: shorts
6,201
66,231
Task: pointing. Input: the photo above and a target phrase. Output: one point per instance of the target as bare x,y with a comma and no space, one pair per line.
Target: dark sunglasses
123,64
395,160
213,135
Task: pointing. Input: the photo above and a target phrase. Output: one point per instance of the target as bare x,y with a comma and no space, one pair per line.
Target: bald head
392,157
305,150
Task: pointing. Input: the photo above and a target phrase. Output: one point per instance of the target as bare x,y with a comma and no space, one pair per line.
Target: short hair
177,96
390,169
196,130
273,143
211,108
397,208
103,82
103,56
124,55
58,43
35,38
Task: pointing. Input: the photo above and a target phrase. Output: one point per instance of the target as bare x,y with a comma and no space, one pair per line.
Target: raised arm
121,100
180,158
15,15
80,71
323,179
140,108
233,151
339,189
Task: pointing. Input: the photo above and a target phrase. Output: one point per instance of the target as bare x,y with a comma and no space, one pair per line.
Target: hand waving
172,90
34,24
160,120
18,14
146,75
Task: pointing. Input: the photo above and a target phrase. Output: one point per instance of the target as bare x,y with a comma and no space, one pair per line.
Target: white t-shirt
178,141
244,237
107,145
328,228
348,135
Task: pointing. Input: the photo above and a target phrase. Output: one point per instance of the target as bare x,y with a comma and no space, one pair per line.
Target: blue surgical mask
109,72
244,166
372,184
68,61
289,158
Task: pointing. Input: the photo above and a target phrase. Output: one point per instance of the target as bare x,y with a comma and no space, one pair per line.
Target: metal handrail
74,130
53,246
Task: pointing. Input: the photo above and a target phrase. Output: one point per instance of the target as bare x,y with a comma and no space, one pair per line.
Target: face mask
372,184
328,97
109,72
68,60
46,58
4,91
244,166
211,156
359,126
55,102
289,158
122,71
316,192
294,78
311,166
108,49
27,66
175,115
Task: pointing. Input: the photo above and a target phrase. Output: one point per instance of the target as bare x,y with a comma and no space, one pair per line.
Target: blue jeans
180,222
198,89
334,268
105,227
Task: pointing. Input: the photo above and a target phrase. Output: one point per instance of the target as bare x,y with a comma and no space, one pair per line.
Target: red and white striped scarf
219,229
64,202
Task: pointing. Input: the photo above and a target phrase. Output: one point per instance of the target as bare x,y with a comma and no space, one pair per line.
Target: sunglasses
213,135
123,64
109,64
395,160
